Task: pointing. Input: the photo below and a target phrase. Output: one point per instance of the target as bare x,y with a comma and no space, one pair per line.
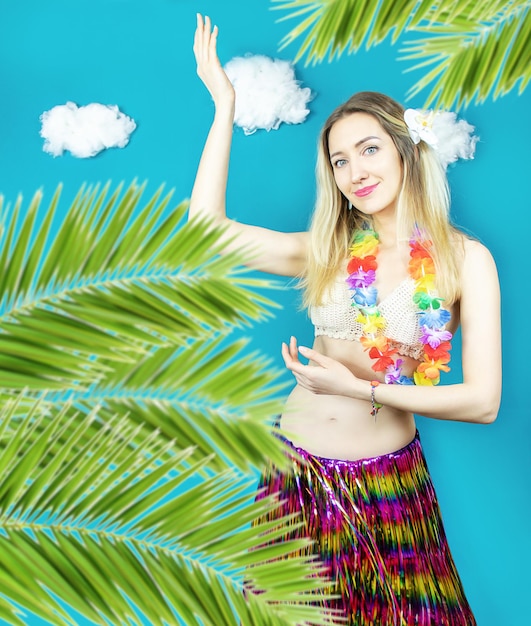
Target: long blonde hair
424,200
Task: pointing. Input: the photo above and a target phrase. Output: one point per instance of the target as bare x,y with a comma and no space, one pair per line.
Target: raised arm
269,250
476,399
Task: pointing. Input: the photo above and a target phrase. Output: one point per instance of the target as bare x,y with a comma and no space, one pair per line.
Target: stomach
339,427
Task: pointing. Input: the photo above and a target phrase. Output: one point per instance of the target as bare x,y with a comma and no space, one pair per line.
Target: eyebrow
358,144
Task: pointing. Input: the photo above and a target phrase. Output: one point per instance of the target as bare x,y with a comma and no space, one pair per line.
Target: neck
386,229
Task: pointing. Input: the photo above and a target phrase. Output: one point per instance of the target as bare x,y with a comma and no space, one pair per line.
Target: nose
358,173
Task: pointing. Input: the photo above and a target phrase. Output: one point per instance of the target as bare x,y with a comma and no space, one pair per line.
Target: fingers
293,348
198,37
286,355
291,359
291,351
204,39
303,374
213,42
315,356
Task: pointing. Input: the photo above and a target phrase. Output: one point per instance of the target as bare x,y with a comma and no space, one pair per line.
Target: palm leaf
110,538
114,280
450,11
118,521
478,49
186,384
517,65
472,63
335,26
207,395
211,394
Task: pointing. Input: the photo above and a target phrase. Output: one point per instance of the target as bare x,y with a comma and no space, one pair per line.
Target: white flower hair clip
451,139
420,126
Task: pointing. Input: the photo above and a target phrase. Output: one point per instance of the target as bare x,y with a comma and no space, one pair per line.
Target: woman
387,280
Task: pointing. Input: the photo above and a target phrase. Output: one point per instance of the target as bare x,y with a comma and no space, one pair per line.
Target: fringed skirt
377,528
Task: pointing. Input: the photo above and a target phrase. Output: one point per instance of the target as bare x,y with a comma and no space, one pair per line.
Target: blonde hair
424,200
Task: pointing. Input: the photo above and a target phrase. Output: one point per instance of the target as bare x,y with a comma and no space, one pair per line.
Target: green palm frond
109,500
479,49
145,535
207,395
447,11
473,60
113,280
212,395
335,26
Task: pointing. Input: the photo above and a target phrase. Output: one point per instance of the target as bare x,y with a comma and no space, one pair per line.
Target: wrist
224,117
362,390
375,405
226,104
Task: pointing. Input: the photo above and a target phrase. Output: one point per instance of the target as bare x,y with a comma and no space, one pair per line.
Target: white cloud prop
455,138
451,138
267,93
86,130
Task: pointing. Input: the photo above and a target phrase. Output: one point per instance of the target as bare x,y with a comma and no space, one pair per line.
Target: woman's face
366,164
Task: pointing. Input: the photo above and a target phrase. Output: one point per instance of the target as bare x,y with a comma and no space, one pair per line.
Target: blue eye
339,163
371,150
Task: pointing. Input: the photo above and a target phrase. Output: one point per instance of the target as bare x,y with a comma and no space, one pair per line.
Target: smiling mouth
365,191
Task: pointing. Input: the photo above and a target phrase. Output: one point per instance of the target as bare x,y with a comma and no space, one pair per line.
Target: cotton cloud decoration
267,93
86,130
455,137
451,138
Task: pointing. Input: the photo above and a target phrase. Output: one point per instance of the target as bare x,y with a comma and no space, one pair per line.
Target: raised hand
209,68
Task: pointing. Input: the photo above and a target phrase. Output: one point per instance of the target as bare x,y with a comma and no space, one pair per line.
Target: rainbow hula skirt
376,525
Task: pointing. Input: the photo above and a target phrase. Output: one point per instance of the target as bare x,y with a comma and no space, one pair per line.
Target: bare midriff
341,427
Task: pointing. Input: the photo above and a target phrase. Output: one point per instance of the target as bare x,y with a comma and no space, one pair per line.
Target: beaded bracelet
376,406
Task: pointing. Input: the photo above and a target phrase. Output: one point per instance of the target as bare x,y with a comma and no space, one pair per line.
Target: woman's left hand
328,376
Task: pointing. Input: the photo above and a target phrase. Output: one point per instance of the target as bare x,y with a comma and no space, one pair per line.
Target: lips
365,191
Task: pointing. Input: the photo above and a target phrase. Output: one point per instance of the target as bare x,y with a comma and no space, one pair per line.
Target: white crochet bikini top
337,317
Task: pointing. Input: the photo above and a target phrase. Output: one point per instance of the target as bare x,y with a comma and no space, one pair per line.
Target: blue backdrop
138,54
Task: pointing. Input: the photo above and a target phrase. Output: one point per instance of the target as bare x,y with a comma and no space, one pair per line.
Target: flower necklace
432,318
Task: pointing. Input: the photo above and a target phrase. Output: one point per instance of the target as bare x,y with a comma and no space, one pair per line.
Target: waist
343,428
355,464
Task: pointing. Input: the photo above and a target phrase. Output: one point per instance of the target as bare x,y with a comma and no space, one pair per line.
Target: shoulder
470,251
476,255
478,271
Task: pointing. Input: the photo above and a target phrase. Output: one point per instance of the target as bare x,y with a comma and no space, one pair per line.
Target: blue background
138,54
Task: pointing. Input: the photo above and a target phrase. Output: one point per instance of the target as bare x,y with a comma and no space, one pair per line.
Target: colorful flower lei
432,317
